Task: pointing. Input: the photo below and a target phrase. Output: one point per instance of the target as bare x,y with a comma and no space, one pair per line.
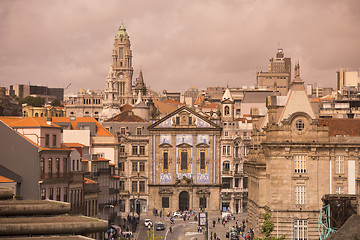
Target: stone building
295,160
85,104
132,162
235,140
184,162
47,111
279,74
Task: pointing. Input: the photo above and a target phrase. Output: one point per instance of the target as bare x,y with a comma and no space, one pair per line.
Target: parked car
160,226
147,223
177,214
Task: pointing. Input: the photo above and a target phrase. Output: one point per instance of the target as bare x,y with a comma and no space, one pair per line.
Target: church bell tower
119,79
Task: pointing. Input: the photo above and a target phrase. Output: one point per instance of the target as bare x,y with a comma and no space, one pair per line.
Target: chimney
49,121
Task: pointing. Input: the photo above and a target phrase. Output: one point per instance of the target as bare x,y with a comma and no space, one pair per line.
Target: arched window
36,114
226,110
226,166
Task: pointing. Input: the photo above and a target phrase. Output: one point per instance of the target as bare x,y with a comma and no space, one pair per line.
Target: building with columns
295,160
184,162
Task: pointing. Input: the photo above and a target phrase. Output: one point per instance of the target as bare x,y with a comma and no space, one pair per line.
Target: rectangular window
339,190
299,163
135,166
42,166
134,150
300,195
236,182
300,230
73,164
339,164
226,183
50,165
134,185
190,120
138,131
177,120
122,185
142,150
66,194
47,140
184,164
43,193
165,202
51,193
65,165
226,150
142,166
54,140
58,194
202,202
122,150
245,182
57,165
121,166
202,160
165,160
121,53
122,131
142,186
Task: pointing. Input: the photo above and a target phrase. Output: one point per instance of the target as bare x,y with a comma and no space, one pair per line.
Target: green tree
55,103
268,227
33,101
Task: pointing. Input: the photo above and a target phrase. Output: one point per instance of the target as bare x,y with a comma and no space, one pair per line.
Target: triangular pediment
184,117
165,145
297,101
184,145
202,145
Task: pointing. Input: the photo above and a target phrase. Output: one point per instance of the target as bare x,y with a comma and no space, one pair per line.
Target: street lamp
109,206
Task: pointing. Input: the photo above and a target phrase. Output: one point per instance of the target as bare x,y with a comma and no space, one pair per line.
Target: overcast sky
179,44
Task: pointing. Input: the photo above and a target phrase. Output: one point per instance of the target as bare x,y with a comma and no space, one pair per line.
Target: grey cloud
179,44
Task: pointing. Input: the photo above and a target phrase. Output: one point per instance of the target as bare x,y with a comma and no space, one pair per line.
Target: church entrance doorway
184,201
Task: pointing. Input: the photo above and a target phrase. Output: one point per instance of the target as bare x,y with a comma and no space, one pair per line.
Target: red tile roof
127,116
28,122
89,181
73,145
5,179
101,130
342,126
101,159
126,107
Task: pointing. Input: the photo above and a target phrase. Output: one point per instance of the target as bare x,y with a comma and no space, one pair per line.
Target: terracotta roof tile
89,181
29,122
101,159
5,179
71,145
101,130
127,116
164,108
342,126
126,107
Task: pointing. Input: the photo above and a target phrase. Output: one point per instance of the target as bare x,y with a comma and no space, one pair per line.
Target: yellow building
47,111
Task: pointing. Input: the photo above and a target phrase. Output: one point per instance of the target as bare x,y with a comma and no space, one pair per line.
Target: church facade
184,162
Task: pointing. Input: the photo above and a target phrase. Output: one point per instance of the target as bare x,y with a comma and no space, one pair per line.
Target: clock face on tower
121,75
